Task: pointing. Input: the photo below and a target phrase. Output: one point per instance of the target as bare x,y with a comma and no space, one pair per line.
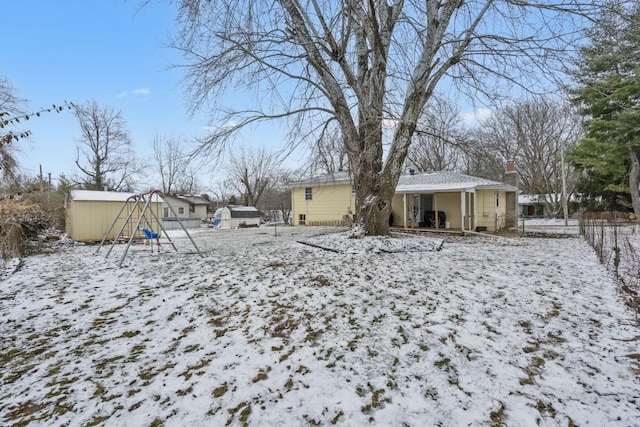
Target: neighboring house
234,216
461,201
187,208
197,205
89,214
543,205
531,205
179,205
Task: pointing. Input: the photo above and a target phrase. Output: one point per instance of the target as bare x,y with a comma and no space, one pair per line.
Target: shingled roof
440,181
446,181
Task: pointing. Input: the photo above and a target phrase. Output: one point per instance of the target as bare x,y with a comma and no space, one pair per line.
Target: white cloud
144,91
472,118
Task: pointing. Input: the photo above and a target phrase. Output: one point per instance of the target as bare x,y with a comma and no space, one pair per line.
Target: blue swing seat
150,234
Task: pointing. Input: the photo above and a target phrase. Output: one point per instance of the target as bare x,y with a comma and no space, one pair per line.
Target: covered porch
466,210
453,211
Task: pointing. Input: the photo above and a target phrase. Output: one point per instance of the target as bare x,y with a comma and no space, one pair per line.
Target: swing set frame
141,204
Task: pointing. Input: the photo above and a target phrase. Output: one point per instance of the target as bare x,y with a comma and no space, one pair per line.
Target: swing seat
149,234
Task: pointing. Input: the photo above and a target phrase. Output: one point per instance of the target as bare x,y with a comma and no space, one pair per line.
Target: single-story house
197,205
234,216
434,199
190,211
532,205
90,214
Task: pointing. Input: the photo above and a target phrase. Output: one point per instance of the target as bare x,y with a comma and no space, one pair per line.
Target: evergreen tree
608,93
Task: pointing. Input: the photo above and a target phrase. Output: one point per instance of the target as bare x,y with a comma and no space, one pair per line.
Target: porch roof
445,181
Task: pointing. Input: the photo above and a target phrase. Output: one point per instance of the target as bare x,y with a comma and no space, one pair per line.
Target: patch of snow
263,330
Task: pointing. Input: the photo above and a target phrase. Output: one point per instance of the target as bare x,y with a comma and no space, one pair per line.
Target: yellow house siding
329,204
449,203
397,210
90,220
490,215
200,211
468,202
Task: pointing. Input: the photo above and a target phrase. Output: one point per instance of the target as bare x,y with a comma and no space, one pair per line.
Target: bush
20,222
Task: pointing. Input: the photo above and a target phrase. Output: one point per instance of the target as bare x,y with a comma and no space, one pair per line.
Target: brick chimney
511,178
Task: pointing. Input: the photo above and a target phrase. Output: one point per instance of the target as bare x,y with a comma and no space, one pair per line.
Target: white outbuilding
234,216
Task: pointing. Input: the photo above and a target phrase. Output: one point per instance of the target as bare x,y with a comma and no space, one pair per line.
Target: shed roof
100,196
239,211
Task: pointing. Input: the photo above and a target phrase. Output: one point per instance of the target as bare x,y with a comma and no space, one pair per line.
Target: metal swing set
140,217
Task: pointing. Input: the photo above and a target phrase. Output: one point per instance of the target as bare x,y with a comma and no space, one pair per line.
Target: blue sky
77,50
110,51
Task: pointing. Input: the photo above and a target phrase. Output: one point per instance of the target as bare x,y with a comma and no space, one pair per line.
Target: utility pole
41,180
563,170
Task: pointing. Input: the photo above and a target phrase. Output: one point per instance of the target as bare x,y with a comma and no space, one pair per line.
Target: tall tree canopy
608,92
361,64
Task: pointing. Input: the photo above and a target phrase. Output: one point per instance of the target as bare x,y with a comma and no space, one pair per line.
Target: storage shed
89,214
234,216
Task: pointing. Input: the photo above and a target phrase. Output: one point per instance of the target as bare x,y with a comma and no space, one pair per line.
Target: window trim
308,193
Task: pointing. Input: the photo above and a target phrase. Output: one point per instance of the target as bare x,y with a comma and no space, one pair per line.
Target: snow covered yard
267,331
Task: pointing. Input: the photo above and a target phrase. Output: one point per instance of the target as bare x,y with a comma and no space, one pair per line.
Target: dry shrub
19,223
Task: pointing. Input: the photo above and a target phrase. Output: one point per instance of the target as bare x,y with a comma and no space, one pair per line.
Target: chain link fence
615,237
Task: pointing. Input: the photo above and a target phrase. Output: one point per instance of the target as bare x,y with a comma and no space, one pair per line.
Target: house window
192,208
165,212
353,190
497,199
302,219
308,193
181,210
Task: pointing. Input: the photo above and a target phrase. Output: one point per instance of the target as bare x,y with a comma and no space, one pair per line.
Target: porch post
475,211
412,206
404,206
435,206
462,209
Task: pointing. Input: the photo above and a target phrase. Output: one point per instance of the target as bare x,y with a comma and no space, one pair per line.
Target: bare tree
221,192
250,172
480,159
535,134
104,153
439,139
277,196
328,154
10,106
173,165
360,64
